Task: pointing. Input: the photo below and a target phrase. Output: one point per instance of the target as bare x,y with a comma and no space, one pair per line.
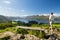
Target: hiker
51,20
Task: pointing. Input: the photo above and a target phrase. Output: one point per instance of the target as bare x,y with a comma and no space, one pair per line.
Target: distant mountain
33,17
4,19
37,17
8,19
14,18
41,17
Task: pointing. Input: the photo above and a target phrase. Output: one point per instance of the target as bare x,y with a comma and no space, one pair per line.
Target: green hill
4,19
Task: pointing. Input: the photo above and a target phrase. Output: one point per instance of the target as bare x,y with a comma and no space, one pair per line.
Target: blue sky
29,7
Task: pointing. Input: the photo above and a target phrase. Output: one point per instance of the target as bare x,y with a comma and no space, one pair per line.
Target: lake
39,21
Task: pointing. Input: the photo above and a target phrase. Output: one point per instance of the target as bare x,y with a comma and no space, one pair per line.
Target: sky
29,7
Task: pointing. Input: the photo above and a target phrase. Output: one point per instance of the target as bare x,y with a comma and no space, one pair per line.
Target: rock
31,37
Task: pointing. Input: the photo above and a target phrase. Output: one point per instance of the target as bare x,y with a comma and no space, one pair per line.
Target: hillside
33,17
4,19
15,18
41,17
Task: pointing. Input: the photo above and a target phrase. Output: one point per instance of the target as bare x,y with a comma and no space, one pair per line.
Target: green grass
12,29
44,26
56,25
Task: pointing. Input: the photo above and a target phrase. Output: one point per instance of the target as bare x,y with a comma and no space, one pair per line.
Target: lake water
39,21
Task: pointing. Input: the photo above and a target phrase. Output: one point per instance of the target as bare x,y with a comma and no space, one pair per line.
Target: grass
44,26
56,24
12,29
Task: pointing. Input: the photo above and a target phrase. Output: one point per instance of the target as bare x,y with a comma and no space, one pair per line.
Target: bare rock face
24,37
14,36
31,37
2,35
53,37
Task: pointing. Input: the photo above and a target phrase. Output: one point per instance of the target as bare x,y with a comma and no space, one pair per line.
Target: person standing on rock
51,20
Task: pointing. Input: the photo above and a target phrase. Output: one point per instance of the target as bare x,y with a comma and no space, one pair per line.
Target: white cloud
57,14
11,12
7,2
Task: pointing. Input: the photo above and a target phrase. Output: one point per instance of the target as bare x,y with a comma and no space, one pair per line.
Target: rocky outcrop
12,36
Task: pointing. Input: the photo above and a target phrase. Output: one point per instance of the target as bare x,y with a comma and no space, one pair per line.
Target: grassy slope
13,29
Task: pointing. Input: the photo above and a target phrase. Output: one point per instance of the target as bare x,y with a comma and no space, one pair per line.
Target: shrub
6,25
20,23
35,25
22,31
37,33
